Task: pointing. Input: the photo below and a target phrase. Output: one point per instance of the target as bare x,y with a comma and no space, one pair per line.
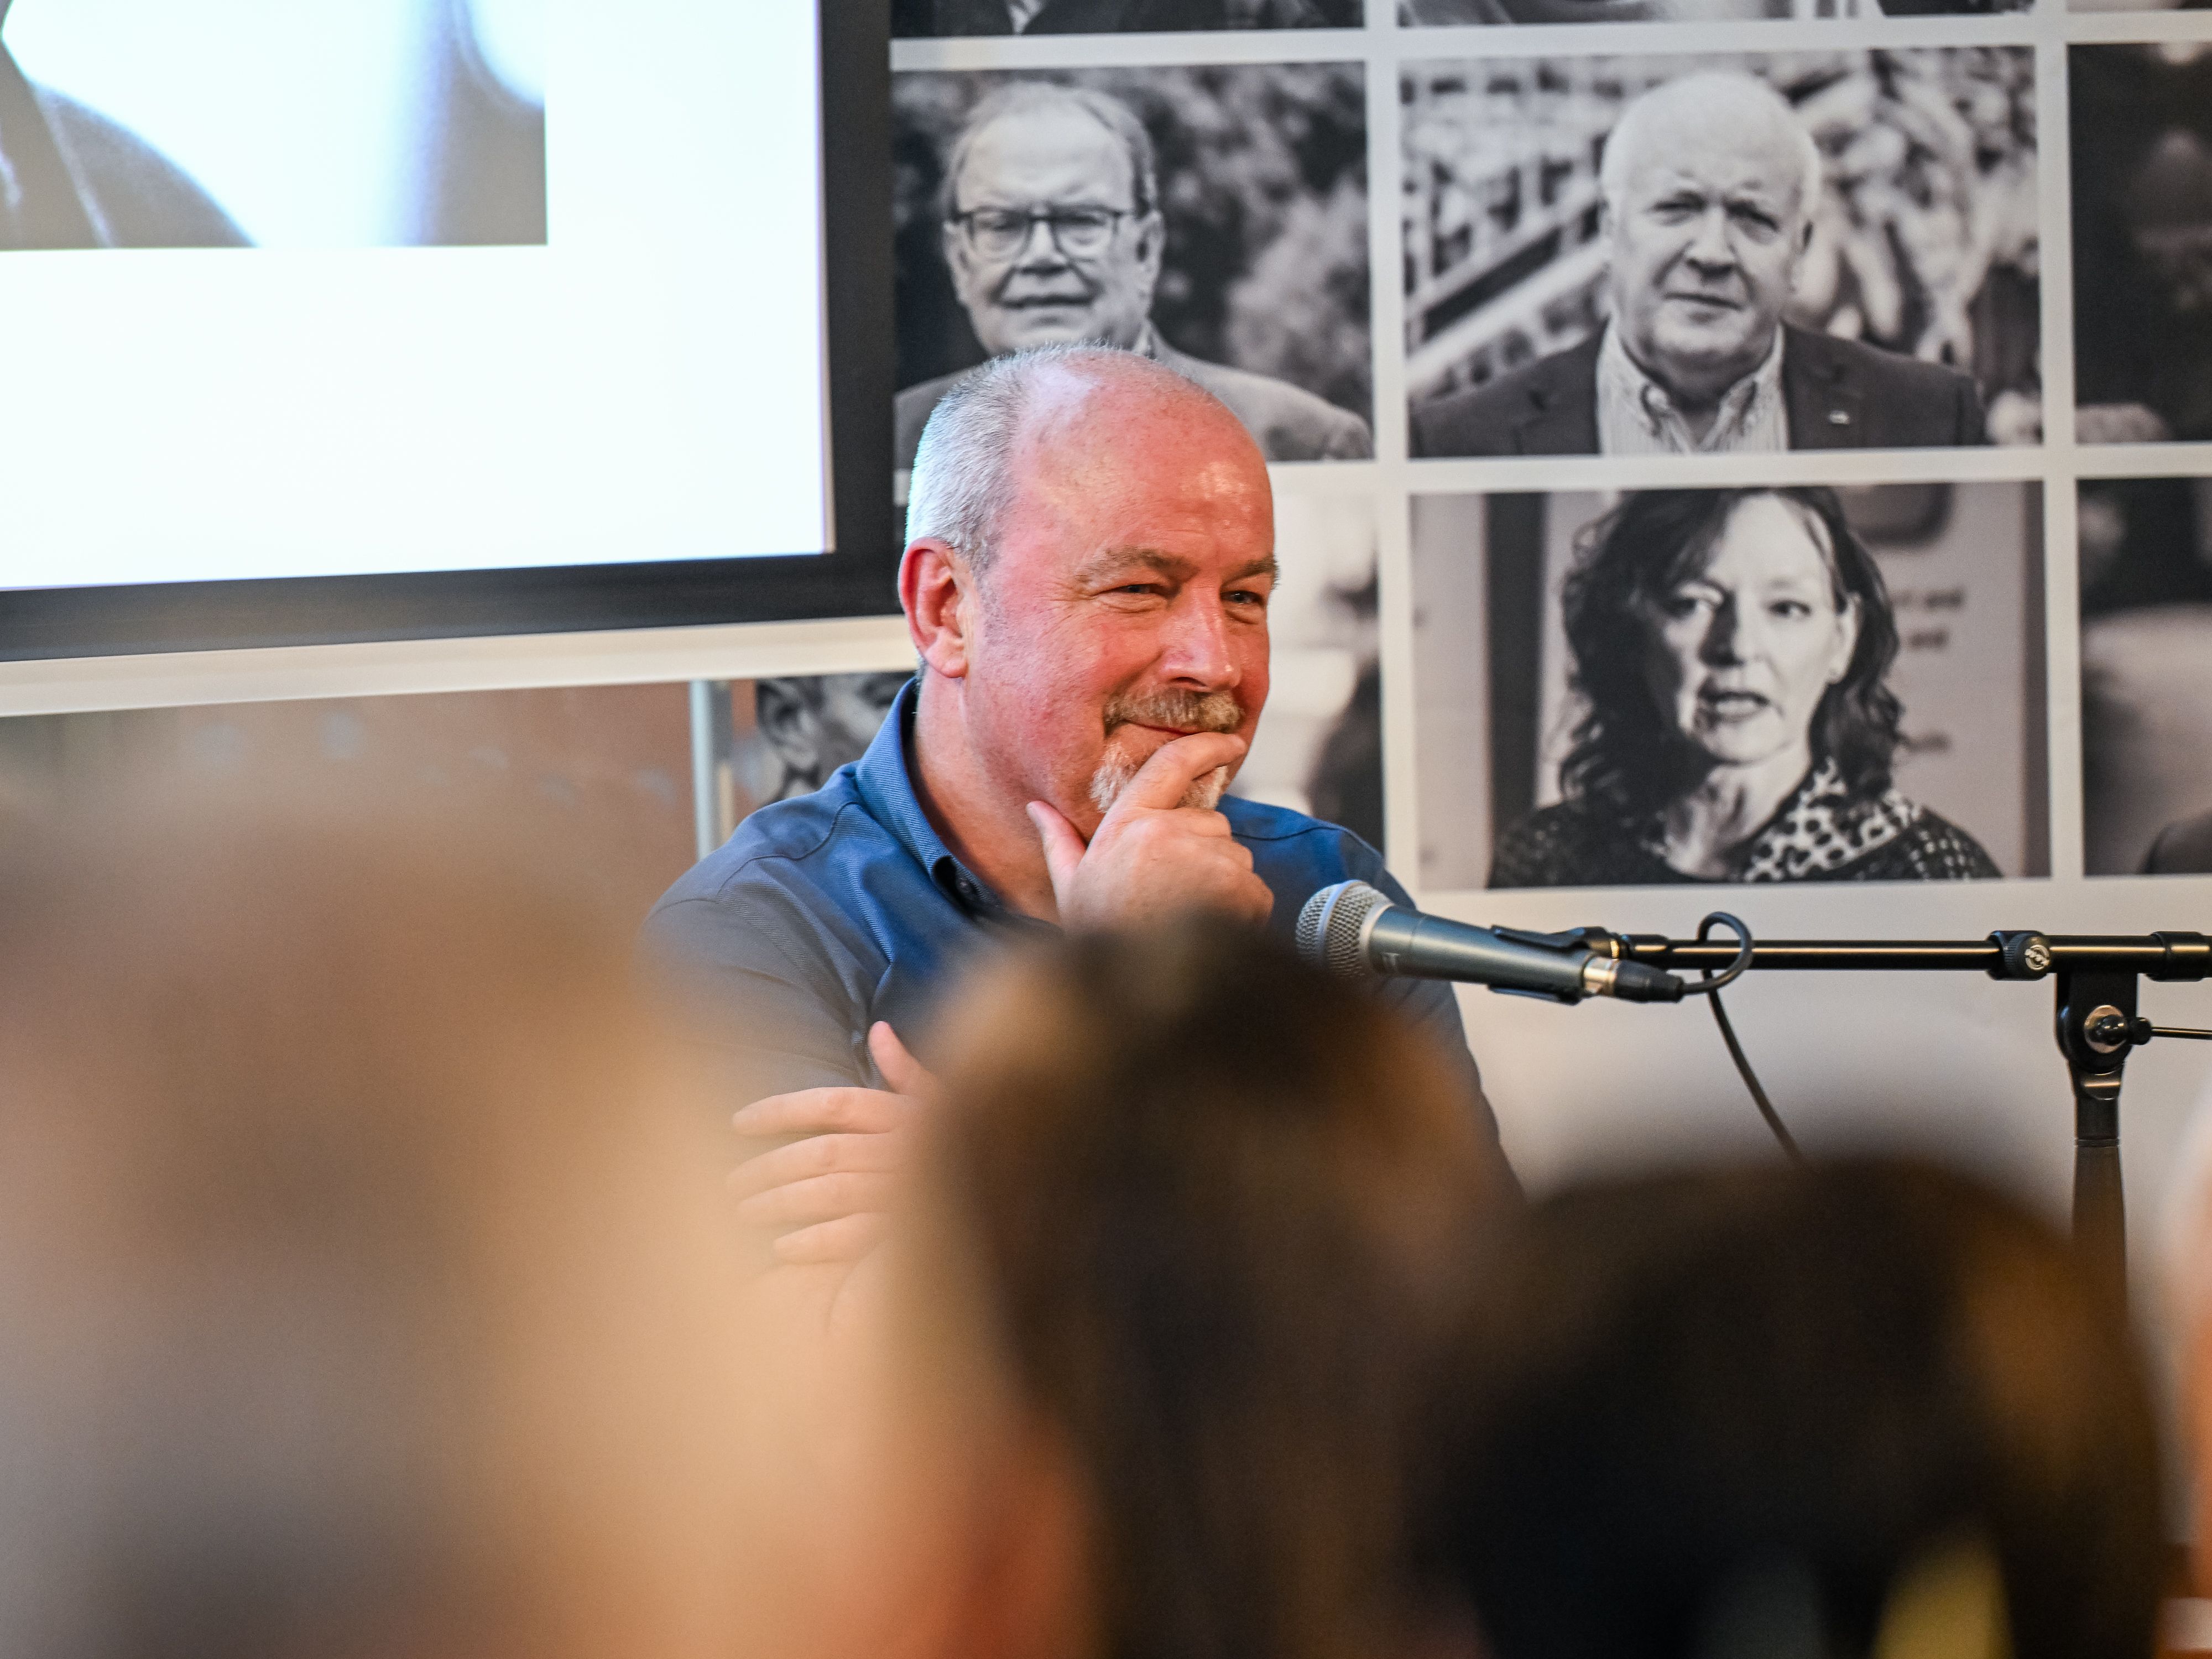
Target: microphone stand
2095,977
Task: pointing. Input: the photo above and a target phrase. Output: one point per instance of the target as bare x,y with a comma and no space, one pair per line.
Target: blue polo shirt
827,913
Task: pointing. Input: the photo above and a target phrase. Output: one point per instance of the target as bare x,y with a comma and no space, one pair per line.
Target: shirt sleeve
1431,1003
770,1021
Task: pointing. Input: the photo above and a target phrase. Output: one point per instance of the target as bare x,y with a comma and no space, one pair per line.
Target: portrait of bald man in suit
1709,184
1053,231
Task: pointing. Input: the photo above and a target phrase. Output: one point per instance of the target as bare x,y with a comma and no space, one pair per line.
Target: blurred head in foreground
360,1265
1222,1209
1864,1409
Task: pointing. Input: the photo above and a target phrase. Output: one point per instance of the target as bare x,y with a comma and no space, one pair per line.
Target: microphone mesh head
1330,925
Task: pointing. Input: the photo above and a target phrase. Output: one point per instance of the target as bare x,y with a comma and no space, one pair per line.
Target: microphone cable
1709,986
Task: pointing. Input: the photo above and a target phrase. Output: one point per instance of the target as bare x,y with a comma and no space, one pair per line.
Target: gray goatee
1212,711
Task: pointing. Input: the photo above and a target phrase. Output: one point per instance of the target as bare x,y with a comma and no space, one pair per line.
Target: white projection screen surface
345,287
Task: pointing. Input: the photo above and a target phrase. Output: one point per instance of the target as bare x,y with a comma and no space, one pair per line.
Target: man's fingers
1063,847
1166,778
846,1239
906,1074
824,1197
817,1155
822,1111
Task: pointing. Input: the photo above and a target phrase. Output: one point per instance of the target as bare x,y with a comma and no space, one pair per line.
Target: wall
2021,194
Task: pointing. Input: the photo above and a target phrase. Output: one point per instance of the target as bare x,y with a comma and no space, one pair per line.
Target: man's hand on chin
823,1188
1152,857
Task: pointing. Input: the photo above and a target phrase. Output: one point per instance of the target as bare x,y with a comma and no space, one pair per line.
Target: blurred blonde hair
360,1256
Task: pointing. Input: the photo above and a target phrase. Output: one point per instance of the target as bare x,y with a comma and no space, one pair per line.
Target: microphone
1353,930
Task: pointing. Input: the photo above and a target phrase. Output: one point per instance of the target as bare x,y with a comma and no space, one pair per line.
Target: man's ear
1151,244
936,591
1151,249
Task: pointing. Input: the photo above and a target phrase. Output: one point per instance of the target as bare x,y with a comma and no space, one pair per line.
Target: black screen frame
860,579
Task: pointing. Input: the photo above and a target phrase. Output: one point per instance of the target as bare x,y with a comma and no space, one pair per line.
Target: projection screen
357,319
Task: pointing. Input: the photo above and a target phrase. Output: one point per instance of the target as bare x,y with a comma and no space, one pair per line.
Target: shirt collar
884,778
1625,376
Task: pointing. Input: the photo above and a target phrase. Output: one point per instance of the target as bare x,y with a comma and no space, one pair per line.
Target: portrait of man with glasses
1052,230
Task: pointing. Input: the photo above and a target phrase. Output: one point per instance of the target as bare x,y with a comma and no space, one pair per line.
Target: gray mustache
1212,711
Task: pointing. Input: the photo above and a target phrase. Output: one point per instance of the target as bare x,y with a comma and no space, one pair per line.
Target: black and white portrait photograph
2146,574
2142,242
1212,218
238,123
805,727
1713,254
923,19
1685,11
1770,685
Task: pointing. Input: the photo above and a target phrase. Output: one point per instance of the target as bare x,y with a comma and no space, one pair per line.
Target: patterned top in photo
1823,832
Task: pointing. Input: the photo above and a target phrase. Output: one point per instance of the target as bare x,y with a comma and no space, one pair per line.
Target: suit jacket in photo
1288,423
1840,395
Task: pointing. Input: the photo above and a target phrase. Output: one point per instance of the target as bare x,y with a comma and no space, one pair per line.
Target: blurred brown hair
1222,1207
1773,1410
360,1256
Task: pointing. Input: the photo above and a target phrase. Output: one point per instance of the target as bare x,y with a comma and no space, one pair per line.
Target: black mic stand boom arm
2096,977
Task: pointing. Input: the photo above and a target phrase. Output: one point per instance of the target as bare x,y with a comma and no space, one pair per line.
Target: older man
1710,184
1053,233
1091,552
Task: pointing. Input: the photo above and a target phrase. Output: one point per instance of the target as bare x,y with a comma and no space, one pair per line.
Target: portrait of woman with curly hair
1730,652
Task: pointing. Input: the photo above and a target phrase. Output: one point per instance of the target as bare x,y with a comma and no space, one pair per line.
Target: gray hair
964,475
1027,97
1627,134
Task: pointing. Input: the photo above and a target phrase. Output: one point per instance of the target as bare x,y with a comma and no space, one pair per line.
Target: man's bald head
1059,410
1696,107
1092,551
